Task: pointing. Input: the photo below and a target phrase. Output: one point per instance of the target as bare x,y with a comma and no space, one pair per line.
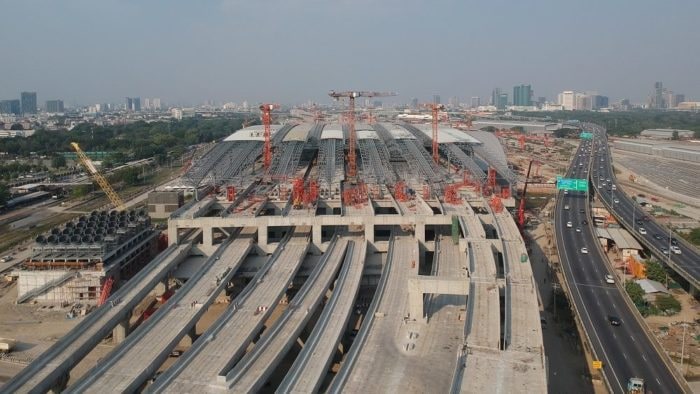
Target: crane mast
352,140
95,174
266,110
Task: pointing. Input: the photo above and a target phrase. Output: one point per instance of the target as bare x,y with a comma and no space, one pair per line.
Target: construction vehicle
6,345
635,386
95,174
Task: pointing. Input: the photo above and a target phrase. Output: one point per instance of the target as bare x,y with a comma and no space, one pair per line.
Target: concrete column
120,332
262,239
369,233
207,236
693,290
173,237
415,300
420,232
60,385
317,235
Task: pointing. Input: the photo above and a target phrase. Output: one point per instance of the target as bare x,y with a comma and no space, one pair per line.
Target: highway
625,350
135,360
310,367
687,263
52,367
221,346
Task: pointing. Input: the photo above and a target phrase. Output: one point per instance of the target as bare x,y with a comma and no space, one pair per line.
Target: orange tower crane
266,110
435,110
351,95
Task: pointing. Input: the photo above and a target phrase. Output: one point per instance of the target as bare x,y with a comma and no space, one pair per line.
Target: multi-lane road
685,260
624,349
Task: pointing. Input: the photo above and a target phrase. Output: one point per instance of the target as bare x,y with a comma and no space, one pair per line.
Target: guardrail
567,286
640,320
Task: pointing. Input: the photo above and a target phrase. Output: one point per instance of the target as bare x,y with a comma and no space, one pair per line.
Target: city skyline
237,50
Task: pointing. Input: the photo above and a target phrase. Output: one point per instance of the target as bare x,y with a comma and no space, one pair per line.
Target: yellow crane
95,174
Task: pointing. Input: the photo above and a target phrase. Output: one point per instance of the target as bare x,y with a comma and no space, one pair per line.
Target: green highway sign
586,135
572,184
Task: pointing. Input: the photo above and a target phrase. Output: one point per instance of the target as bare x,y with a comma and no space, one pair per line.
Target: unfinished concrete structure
453,298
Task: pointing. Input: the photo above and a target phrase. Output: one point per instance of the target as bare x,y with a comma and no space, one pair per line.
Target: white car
675,249
569,224
609,279
584,250
642,231
616,201
578,229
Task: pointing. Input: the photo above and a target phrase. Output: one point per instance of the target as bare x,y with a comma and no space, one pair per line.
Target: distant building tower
658,95
567,99
133,104
476,102
146,103
12,107
436,99
502,101
54,106
494,96
414,103
522,95
598,101
155,103
28,102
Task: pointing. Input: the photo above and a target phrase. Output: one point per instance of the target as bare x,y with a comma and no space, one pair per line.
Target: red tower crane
521,206
266,110
435,110
351,95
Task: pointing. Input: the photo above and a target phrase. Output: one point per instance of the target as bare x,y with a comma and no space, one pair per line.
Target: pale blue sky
87,51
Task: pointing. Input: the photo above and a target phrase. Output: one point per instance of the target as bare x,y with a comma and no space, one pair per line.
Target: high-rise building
598,101
414,103
453,102
155,103
54,106
133,104
10,107
658,101
147,104
671,100
522,95
494,96
567,99
28,102
476,102
502,101
436,99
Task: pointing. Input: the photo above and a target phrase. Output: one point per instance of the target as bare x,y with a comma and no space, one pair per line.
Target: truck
635,386
6,345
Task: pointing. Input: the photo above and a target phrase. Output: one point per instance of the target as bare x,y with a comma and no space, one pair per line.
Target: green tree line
133,141
630,122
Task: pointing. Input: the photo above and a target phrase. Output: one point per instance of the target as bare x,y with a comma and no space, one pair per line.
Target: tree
674,135
635,291
4,194
58,161
668,304
81,191
16,126
655,271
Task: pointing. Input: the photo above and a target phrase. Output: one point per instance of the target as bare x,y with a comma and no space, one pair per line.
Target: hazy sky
87,51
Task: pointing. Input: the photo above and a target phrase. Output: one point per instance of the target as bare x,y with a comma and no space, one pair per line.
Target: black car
640,222
582,210
614,320
584,222
658,237
674,242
